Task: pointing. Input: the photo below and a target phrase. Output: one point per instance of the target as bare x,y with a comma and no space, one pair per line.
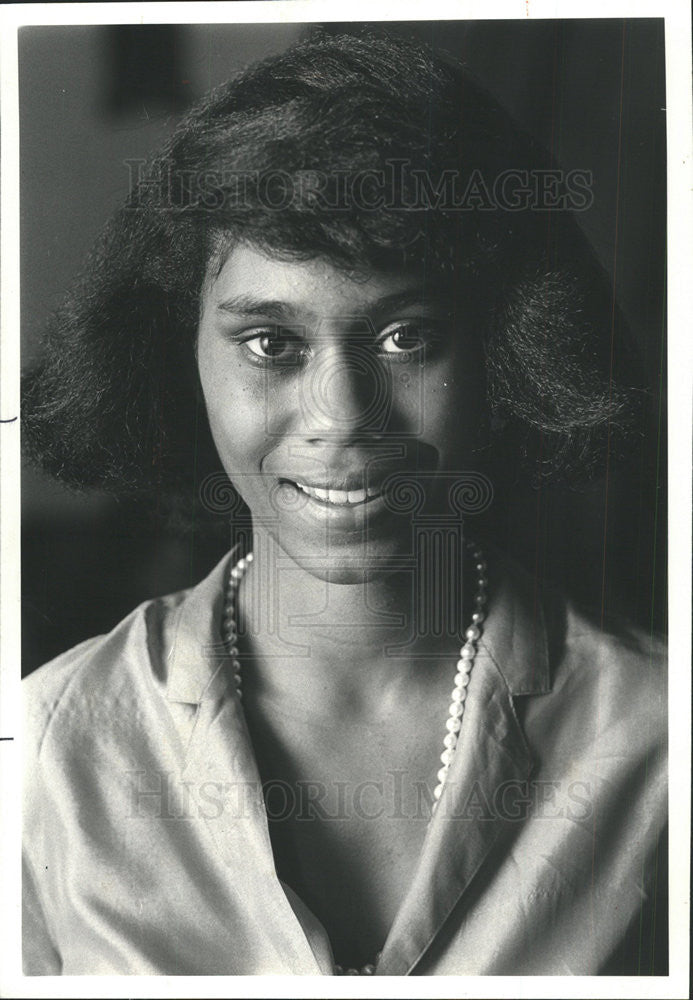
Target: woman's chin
348,564
332,571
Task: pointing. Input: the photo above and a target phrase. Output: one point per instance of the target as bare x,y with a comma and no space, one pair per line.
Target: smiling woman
328,380
366,742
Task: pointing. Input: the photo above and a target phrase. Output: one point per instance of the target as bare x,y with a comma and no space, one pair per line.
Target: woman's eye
402,338
270,345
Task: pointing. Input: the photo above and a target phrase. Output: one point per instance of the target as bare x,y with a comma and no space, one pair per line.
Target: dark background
93,97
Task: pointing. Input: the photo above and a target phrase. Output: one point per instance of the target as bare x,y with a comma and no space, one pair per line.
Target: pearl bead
442,774
236,573
437,791
450,741
249,558
481,565
478,617
452,725
233,651
462,691
466,653
457,694
456,710
464,680
447,756
368,970
472,632
242,564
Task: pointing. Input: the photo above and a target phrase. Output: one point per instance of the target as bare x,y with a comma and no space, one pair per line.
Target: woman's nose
344,390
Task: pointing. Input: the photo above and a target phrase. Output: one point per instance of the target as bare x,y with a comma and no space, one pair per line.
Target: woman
366,742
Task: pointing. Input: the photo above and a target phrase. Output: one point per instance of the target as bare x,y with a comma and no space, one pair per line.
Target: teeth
338,497
356,496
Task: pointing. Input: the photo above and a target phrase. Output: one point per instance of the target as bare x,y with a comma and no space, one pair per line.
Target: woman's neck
358,637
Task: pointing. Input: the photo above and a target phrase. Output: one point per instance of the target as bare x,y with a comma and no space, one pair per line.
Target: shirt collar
514,634
195,649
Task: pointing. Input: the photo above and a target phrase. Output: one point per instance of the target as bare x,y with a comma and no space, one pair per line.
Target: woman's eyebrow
247,305
431,297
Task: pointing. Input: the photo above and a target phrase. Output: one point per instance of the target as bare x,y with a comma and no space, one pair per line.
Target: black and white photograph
345,553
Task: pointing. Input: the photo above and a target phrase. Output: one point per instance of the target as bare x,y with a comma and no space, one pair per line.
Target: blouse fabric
147,848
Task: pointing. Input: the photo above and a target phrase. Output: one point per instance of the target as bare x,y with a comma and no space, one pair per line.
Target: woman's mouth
338,498
348,506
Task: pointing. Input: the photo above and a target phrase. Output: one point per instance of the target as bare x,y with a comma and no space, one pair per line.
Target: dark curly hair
114,401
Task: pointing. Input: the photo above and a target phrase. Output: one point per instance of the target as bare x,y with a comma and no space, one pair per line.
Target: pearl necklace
459,693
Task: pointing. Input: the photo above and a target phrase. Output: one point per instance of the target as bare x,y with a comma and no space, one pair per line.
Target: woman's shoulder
79,688
574,638
589,669
614,645
611,674
159,652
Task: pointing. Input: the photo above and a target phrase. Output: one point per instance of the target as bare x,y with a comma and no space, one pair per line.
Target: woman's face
325,391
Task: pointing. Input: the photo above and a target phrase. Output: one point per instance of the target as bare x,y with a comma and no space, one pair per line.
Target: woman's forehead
253,282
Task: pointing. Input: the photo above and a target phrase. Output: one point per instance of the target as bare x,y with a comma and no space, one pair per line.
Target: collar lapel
492,755
219,763
195,649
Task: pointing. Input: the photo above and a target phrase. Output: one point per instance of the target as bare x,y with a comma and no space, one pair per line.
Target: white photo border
676,15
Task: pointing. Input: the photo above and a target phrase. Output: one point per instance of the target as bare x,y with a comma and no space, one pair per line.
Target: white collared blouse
147,848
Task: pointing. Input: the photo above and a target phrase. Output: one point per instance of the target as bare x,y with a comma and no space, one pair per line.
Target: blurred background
92,98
